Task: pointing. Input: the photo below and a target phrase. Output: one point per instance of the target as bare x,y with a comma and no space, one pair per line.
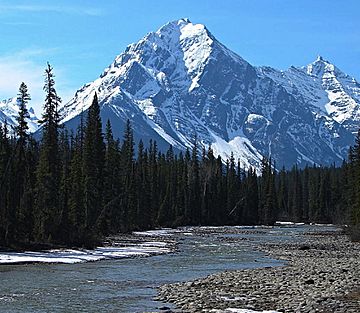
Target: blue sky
80,38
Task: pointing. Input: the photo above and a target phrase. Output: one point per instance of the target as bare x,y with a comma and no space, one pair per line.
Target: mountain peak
182,21
320,59
176,24
180,81
319,67
184,27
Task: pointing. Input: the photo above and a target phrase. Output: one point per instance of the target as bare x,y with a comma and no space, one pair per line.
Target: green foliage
22,100
47,199
74,188
93,166
354,181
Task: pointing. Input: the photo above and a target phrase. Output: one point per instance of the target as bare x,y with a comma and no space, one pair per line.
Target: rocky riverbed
322,275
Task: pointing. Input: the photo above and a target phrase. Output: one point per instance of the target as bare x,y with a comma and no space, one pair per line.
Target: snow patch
71,256
9,111
197,47
279,223
241,148
156,233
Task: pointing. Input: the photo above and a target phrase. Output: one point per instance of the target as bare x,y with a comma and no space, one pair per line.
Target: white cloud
14,70
22,67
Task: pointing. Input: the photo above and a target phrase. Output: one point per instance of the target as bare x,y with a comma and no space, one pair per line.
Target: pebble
321,276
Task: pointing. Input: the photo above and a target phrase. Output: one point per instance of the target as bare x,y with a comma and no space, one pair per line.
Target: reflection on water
128,285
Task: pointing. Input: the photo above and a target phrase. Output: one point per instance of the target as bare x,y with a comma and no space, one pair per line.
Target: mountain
9,110
180,81
324,88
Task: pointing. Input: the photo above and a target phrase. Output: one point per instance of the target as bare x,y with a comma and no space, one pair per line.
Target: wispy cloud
15,69
24,66
75,10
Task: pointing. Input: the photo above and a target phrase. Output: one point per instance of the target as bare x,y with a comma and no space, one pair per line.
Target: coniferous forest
72,188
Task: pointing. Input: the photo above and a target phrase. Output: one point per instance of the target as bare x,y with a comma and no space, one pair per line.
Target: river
129,285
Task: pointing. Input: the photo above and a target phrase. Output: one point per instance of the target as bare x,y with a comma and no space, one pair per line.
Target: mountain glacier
180,82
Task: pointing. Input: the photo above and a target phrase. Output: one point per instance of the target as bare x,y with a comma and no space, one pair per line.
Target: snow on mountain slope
9,110
180,81
326,88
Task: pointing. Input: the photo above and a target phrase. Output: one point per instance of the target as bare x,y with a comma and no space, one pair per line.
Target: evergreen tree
26,213
296,204
194,186
22,171
65,155
129,205
110,217
283,196
86,188
76,193
5,161
142,181
22,100
251,199
268,192
47,211
355,180
305,194
153,181
93,166
208,186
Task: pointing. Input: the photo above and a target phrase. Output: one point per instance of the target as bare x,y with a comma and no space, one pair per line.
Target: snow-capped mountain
180,81
9,110
325,88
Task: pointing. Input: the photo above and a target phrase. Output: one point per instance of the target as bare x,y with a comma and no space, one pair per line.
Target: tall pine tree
93,166
22,168
47,211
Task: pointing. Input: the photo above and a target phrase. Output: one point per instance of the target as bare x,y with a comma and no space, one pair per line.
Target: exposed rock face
180,81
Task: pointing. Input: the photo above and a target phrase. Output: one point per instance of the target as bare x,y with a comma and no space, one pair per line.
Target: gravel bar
322,275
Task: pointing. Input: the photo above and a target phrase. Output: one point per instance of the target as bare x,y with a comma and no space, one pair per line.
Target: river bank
322,275
115,247
125,284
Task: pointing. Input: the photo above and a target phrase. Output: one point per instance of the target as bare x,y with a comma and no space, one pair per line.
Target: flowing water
129,285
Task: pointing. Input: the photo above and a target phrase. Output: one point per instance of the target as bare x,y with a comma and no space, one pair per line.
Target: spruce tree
22,100
47,211
354,156
127,157
142,181
110,217
233,203
153,181
251,198
283,196
194,186
76,194
21,167
5,171
268,192
65,155
93,166
296,205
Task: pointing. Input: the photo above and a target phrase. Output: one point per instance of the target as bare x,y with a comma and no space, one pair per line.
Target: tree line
74,187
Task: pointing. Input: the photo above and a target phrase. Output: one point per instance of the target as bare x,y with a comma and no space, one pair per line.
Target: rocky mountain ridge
180,81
